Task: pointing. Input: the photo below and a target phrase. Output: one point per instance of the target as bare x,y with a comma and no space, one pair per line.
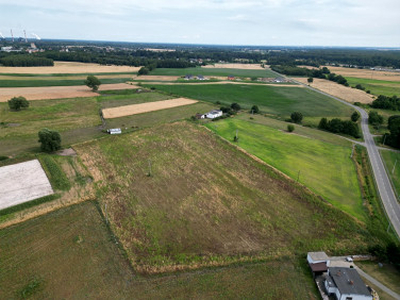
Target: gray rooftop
348,281
315,256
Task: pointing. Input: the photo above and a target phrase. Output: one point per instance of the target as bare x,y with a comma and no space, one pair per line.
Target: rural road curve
385,189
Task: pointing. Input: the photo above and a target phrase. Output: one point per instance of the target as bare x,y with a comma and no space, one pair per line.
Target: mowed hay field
324,167
346,93
366,73
134,109
70,253
238,72
203,202
377,87
63,67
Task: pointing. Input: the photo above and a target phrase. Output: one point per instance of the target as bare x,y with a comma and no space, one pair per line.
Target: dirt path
134,109
58,92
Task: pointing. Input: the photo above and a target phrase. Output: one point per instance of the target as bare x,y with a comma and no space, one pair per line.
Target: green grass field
281,101
71,253
213,72
377,87
325,168
54,82
206,202
393,171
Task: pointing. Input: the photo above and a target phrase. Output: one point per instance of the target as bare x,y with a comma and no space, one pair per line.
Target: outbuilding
214,114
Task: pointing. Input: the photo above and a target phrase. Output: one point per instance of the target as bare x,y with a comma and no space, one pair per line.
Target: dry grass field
68,68
346,93
156,78
205,202
58,92
235,66
366,73
134,109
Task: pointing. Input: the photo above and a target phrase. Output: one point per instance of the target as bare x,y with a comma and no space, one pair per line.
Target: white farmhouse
214,114
346,284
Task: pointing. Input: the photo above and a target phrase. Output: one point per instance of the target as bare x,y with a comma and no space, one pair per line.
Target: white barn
214,114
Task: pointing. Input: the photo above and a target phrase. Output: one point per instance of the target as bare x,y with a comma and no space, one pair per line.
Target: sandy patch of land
156,78
366,73
346,93
134,109
61,67
235,66
23,182
58,92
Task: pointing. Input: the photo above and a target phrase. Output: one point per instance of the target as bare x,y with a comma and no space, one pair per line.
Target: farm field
203,202
346,93
390,159
325,168
63,67
377,87
23,182
366,73
58,92
40,252
134,109
43,82
214,72
235,66
281,101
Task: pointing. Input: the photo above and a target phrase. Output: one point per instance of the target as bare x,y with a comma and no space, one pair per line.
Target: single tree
16,103
235,106
374,118
254,109
310,80
355,116
93,82
290,128
50,140
143,71
296,117
323,124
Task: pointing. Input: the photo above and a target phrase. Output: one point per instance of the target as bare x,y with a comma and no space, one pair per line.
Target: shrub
296,117
235,106
16,103
290,128
50,140
254,109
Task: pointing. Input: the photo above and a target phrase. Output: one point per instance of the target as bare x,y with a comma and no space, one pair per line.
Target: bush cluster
339,126
384,102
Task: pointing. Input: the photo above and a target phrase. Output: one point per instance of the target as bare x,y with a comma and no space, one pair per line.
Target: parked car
349,259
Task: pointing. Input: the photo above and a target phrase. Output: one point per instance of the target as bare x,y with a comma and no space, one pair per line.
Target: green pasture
325,168
72,253
54,82
391,158
377,87
280,101
213,72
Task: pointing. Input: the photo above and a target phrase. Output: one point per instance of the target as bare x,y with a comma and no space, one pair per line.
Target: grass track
325,168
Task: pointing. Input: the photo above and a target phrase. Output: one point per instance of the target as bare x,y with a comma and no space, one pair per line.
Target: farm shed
317,257
345,284
214,114
114,131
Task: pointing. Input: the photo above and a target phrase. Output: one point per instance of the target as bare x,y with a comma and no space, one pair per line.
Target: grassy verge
387,274
391,158
280,101
323,167
57,177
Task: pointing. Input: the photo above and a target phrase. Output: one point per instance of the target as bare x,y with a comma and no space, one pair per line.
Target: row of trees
22,60
393,139
339,126
384,102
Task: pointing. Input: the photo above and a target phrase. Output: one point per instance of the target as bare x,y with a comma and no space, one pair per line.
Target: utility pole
394,167
149,167
352,151
384,138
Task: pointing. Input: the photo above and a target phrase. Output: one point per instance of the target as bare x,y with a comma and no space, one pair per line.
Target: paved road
385,189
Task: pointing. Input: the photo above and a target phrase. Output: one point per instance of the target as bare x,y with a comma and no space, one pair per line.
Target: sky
350,23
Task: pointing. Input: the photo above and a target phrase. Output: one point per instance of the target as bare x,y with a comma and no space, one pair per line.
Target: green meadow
391,158
324,167
377,87
280,101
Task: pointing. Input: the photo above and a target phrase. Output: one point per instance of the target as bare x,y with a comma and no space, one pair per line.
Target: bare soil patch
61,67
346,93
235,66
366,73
23,182
135,109
58,92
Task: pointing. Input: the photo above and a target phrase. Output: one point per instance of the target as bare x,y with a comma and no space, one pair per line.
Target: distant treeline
25,60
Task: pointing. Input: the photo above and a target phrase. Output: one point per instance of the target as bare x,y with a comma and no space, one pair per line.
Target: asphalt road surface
385,189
